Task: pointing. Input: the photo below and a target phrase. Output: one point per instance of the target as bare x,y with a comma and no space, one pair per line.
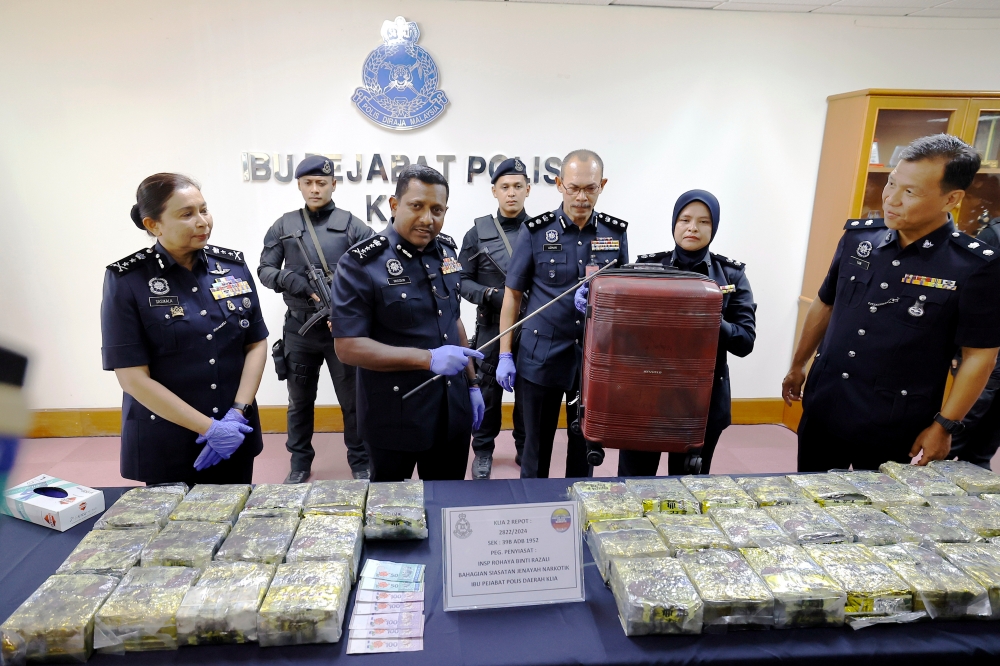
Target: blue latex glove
451,359
478,407
506,372
580,298
225,437
207,458
233,415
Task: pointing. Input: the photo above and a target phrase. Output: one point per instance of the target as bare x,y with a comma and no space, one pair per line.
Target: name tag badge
860,262
552,247
606,244
398,280
228,287
163,301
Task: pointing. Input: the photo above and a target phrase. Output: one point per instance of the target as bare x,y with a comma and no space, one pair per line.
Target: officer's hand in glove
478,407
233,415
451,359
207,458
297,285
496,299
580,299
225,437
506,373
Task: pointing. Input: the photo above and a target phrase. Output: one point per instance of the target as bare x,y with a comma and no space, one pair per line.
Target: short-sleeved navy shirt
190,327
548,259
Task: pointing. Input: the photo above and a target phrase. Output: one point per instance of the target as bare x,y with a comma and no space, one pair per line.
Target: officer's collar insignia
223,253
864,249
123,266
219,270
406,253
927,244
551,235
367,250
536,223
394,267
447,240
400,80
158,287
936,283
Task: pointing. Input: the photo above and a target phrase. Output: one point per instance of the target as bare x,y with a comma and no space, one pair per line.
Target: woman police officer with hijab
183,331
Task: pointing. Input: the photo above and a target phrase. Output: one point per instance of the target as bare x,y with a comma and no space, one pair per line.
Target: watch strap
243,407
951,427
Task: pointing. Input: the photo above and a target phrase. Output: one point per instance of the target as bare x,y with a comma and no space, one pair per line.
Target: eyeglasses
573,190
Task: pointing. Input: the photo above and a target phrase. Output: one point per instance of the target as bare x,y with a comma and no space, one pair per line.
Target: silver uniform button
579,261
445,336
215,410
852,278
535,331
211,361
194,289
213,387
579,242
396,389
846,376
884,285
203,313
922,297
895,262
439,313
903,392
851,354
861,331
208,337
152,417
577,322
166,316
404,294
552,261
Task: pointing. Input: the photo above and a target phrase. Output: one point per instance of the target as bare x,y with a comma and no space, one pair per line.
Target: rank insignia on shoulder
727,288
646,258
123,266
866,223
613,221
936,283
970,244
539,221
367,250
216,251
447,240
450,265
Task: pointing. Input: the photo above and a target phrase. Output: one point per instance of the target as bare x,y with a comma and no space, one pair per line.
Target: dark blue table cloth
573,633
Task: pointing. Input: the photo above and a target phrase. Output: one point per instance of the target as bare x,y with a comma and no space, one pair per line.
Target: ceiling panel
867,11
697,4
958,13
766,7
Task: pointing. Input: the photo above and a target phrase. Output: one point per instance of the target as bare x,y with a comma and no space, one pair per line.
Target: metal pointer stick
503,333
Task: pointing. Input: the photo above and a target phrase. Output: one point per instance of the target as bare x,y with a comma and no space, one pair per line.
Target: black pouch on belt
278,354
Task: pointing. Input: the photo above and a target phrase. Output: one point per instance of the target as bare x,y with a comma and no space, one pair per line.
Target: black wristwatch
951,427
243,407
474,381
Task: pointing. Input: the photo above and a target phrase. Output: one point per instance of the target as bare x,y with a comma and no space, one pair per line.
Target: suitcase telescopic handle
571,290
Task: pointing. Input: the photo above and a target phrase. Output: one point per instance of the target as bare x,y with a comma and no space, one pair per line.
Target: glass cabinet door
982,199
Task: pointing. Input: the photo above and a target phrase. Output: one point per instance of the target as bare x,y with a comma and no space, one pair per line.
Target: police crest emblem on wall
400,80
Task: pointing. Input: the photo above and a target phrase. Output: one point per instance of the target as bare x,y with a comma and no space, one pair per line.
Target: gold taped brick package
328,538
141,614
932,524
210,503
630,537
337,498
222,606
602,500
749,528
971,478
772,490
871,526
978,514
804,594
872,587
938,587
882,489
396,511
982,562
262,539
924,481
809,524
111,552
735,597
655,596
56,623
716,492
689,532
268,497
185,544
663,496
828,489
305,604
142,507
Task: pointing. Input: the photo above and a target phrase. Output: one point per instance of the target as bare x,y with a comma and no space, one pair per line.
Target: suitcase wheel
692,465
595,454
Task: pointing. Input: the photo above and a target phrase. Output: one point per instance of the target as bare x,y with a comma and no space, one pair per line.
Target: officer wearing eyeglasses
550,258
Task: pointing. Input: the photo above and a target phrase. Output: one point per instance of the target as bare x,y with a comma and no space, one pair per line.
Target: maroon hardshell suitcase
649,353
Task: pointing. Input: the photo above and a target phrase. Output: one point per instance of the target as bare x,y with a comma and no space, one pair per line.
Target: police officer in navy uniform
548,259
183,331
695,225
283,269
902,295
396,317
485,254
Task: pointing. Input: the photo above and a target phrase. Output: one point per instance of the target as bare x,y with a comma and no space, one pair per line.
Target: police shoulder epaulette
867,223
368,249
650,258
977,248
447,240
131,262
726,260
223,253
613,221
539,221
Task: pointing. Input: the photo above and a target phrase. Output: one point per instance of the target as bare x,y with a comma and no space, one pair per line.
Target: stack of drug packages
164,567
388,609
716,553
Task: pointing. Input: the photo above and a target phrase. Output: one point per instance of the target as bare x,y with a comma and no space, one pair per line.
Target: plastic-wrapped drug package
828,489
222,606
305,603
718,492
56,623
655,596
923,481
749,528
872,527
932,524
261,539
111,552
882,489
185,544
734,595
872,587
978,514
772,490
971,478
141,614
938,587
982,562
603,500
141,507
663,496
809,523
395,510
991,497
211,503
323,538
689,532
804,594
337,498
631,537
269,499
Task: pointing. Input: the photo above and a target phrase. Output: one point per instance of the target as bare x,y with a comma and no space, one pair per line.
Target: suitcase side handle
656,270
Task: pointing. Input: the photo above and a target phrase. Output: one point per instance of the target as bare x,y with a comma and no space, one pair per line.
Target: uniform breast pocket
535,343
171,334
921,307
853,285
552,268
399,304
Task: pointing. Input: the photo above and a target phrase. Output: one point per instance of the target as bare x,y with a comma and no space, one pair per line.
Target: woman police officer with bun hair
183,331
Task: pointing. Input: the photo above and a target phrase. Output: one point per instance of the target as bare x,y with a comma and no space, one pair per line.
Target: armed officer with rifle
301,251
